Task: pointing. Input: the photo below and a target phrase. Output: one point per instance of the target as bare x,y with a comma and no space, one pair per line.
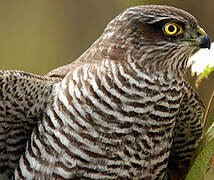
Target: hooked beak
203,40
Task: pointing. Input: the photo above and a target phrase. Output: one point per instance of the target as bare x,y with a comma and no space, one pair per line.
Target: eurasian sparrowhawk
116,112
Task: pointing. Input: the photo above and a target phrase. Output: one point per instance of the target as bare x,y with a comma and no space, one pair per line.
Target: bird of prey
117,112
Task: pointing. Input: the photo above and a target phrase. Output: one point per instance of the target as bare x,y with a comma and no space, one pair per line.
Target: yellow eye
172,29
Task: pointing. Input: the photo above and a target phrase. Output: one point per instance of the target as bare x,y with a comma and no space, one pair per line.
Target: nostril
198,33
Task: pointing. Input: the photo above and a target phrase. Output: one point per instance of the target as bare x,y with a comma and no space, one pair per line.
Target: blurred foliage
203,166
207,71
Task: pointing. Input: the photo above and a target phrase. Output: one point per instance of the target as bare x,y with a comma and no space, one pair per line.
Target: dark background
39,35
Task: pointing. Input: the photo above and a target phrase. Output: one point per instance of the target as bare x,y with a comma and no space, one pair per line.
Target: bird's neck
172,62
152,59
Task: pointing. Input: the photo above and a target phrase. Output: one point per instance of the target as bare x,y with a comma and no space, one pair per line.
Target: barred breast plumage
113,114
111,121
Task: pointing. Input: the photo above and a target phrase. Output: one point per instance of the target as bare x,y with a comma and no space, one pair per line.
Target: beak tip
208,43
209,47
204,41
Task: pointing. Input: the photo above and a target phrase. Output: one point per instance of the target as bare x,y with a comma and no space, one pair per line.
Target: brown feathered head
158,38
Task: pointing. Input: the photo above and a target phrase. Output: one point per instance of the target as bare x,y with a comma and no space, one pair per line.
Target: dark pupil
171,28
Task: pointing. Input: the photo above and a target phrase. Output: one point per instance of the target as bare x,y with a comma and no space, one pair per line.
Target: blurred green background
39,35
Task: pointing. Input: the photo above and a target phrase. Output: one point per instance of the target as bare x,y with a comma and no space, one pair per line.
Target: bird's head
156,37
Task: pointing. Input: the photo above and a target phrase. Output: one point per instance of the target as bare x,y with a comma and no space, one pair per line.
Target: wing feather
188,131
23,97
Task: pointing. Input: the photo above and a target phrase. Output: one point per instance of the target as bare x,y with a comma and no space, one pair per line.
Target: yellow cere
172,29
201,31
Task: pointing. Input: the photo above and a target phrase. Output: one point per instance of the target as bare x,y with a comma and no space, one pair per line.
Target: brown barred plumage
188,124
23,97
118,110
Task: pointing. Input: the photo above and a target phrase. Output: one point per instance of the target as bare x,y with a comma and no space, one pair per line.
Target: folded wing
23,98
